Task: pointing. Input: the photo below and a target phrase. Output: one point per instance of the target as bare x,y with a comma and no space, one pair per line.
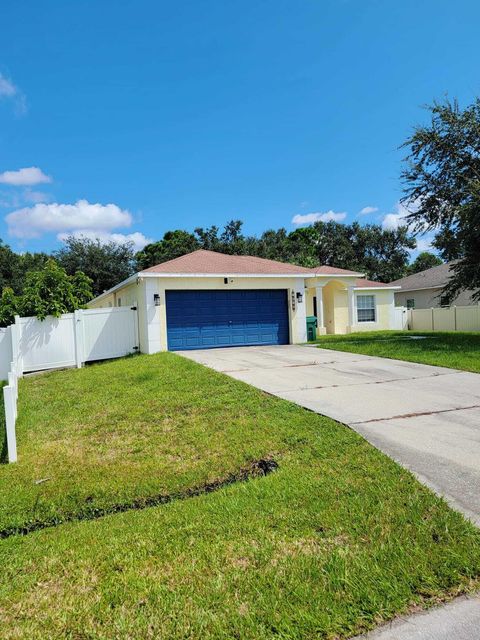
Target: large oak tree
442,188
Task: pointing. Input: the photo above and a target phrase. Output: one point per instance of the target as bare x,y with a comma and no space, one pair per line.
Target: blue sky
191,113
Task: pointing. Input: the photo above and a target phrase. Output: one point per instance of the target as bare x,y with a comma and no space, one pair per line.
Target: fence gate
109,333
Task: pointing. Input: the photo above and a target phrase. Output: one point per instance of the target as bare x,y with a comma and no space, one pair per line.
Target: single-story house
423,290
207,299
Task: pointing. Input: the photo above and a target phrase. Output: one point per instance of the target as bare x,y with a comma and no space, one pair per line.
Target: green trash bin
311,328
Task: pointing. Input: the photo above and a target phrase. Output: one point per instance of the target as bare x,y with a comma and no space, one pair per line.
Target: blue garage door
206,319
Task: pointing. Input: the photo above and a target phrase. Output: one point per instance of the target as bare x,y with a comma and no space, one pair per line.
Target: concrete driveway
427,418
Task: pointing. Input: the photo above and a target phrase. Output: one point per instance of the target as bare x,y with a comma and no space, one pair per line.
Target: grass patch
453,350
336,540
111,433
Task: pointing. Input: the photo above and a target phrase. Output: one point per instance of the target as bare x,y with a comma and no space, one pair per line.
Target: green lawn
334,541
453,350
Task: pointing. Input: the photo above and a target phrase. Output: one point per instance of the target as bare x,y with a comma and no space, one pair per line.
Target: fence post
433,319
16,334
78,332
9,402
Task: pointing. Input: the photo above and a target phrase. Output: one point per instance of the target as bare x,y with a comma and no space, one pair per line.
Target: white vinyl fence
445,319
71,340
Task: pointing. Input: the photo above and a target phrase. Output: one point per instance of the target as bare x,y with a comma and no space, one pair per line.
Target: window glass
366,309
410,303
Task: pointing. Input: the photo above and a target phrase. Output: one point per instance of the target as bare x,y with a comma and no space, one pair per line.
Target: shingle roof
362,282
436,277
326,270
212,262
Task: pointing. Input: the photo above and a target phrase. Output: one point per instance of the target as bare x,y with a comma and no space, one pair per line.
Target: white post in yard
9,402
321,330
78,333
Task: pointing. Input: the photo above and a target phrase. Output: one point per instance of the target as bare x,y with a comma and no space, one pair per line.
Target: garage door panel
203,319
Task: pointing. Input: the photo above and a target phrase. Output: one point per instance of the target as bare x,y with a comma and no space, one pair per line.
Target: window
410,303
444,301
366,309
119,302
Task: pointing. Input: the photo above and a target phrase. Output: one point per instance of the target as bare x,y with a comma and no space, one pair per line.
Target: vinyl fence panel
445,319
420,320
468,318
47,344
109,333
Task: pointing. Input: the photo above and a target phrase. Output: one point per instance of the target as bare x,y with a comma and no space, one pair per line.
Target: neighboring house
423,290
206,299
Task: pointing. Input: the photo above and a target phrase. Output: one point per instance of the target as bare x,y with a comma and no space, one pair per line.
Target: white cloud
8,91
35,196
7,88
367,211
326,216
392,221
32,222
138,239
27,176
425,243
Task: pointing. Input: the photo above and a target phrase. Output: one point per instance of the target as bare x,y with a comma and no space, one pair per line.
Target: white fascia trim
225,275
120,285
375,288
338,275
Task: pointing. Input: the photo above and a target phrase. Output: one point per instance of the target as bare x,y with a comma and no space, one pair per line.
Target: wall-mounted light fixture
156,299
299,297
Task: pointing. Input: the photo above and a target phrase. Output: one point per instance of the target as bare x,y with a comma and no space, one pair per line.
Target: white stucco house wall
207,299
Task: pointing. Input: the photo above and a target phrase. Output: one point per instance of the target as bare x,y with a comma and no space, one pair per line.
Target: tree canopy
424,260
106,264
442,188
49,291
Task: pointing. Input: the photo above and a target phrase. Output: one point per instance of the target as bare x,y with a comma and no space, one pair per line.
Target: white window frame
374,308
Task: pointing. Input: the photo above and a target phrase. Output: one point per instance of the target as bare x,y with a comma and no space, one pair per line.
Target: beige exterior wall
124,297
428,298
336,312
384,302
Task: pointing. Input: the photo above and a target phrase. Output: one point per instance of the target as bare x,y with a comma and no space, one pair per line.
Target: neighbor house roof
434,278
212,262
